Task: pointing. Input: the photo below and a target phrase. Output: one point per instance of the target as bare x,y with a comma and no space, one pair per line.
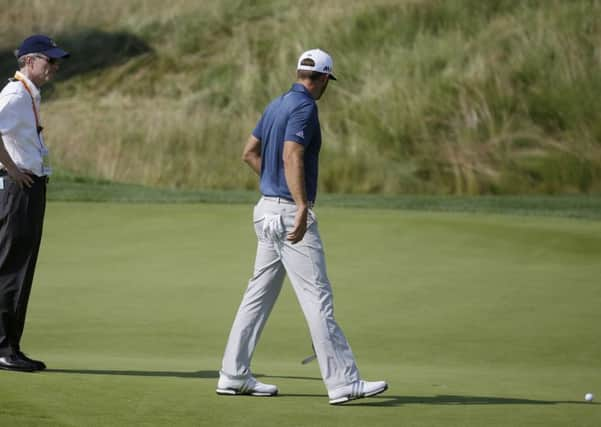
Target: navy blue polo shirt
290,117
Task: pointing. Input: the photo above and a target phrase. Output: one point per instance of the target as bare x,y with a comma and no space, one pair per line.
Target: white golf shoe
245,386
356,390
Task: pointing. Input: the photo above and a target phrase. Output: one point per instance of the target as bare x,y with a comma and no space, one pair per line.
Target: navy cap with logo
40,43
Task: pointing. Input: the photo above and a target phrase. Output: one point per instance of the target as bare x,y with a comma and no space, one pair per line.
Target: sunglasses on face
51,61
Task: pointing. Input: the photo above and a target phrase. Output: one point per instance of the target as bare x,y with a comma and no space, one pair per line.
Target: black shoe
40,365
16,363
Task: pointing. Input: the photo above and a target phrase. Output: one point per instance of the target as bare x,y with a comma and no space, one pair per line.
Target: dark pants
21,221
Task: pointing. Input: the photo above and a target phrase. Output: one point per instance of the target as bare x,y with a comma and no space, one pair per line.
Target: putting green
475,320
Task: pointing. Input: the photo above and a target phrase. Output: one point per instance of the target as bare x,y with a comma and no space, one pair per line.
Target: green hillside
434,96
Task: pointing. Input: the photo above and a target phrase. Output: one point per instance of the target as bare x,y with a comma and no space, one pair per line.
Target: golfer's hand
20,177
300,225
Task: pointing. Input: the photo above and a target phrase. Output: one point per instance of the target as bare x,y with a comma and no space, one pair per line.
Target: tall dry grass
459,96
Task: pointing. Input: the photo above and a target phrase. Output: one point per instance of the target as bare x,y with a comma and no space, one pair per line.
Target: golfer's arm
252,154
294,170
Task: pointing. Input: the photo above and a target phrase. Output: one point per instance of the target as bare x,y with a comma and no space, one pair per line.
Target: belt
284,201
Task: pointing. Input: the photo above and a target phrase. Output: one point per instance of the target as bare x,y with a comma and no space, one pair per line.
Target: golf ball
589,397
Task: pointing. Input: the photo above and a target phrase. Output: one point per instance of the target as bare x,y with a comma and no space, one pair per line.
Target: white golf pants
304,262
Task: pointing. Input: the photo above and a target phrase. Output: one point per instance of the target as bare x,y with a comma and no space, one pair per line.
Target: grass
456,97
474,319
72,188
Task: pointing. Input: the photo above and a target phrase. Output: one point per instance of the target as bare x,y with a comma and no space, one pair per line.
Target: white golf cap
316,60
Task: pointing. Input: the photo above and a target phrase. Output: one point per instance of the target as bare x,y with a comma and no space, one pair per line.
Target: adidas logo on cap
316,60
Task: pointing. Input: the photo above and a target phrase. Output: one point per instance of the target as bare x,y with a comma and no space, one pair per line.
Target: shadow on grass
91,50
376,401
174,374
286,377
393,401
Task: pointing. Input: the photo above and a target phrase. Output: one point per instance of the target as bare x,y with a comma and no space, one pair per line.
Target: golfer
284,150
24,172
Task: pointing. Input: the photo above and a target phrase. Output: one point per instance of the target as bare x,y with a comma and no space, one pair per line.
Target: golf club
310,358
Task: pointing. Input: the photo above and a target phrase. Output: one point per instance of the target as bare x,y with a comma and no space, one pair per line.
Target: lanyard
43,150
19,77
